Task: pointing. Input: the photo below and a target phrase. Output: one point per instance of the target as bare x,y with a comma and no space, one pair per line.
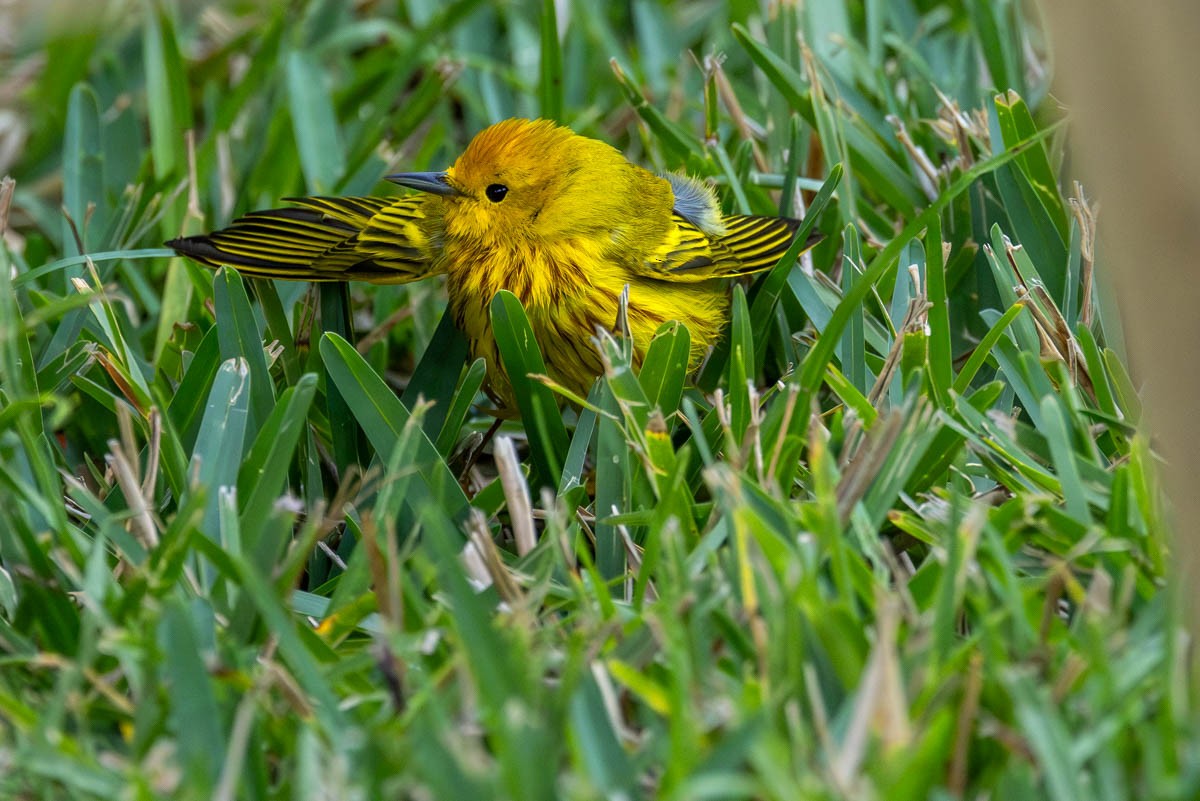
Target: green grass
898,539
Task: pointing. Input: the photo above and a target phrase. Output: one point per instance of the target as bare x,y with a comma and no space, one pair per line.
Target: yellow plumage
562,221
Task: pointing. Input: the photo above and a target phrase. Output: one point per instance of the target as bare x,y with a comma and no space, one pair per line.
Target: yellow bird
562,221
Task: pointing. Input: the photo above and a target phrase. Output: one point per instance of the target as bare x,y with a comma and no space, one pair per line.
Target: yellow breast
569,289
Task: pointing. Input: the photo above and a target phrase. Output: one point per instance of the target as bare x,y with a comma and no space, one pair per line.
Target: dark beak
434,183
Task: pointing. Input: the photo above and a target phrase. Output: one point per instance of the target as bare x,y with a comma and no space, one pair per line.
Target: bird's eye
496,192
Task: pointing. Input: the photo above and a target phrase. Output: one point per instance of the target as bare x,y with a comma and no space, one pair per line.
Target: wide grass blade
220,441
314,123
550,79
431,381
382,417
264,473
167,103
83,168
196,719
522,361
665,366
335,317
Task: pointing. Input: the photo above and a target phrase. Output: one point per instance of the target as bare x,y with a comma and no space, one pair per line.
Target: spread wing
748,245
381,240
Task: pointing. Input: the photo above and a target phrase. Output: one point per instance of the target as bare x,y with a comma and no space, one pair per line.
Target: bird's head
533,179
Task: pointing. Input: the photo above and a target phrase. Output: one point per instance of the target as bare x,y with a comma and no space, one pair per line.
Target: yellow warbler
562,221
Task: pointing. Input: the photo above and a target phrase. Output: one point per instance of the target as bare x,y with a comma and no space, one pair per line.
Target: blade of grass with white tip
239,337
277,327
220,441
941,357
625,386
575,465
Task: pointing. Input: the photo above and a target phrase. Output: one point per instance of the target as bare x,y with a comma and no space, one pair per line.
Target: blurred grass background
903,538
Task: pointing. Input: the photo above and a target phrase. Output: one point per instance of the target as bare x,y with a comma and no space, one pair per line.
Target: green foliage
900,538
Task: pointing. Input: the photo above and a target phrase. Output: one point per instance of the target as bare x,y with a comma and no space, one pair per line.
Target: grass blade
519,353
382,417
318,135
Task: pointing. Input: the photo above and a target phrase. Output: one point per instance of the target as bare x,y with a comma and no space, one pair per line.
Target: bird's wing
748,245
382,240
759,242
